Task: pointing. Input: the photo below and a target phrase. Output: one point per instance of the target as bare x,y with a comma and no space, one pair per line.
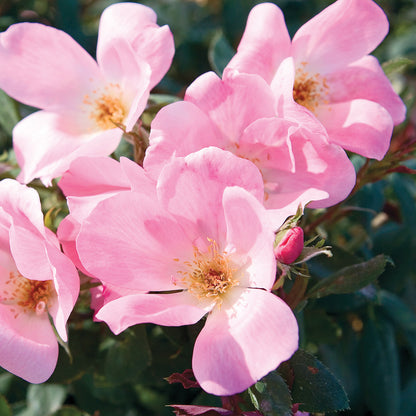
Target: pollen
106,107
210,275
25,295
309,90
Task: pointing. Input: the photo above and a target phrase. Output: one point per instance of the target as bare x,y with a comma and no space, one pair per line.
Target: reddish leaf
187,379
231,402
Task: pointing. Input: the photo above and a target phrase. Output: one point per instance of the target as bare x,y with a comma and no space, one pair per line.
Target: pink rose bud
290,247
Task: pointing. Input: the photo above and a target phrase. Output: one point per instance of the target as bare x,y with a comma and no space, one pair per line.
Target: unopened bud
290,246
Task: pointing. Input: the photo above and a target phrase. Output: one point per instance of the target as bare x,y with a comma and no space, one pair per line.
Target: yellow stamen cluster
209,275
25,295
108,110
309,90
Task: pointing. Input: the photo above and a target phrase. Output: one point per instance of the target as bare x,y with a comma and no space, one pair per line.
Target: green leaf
404,191
4,407
397,65
379,364
408,399
271,396
69,411
9,115
83,345
44,399
400,313
128,356
94,394
162,99
351,278
342,358
314,386
324,266
220,52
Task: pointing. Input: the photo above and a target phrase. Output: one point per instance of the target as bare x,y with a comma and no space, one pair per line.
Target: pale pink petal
233,103
361,126
177,130
282,85
137,177
28,346
365,79
39,259
15,198
121,68
205,173
342,33
241,344
322,167
29,252
298,166
103,294
7,263
92,179
45,67
250,232
67,234
174,309
92,176
46,143
265,43
66,281
136,24
135,250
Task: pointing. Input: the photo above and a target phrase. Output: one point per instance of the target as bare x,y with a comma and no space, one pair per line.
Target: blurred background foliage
365,332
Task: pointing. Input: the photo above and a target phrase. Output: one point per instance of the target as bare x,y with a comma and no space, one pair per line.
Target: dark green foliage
314,387
271,395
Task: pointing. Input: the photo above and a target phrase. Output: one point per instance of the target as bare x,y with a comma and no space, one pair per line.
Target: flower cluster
190,234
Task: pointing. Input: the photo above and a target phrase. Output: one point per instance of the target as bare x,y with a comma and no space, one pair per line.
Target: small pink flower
82,101
240,114
327,69
290,246
36,280
202,245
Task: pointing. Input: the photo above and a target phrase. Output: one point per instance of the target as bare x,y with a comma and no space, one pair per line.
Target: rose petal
342,33
173,309
136,24
265,43
45,67
240,345
361,126
46,143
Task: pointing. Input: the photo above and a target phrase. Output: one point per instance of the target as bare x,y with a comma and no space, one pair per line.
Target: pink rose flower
202,245
290,246
327,69
82,101
36,280
240,114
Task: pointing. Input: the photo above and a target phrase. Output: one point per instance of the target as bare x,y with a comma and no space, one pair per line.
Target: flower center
309,90
28,295
108,110
209,275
